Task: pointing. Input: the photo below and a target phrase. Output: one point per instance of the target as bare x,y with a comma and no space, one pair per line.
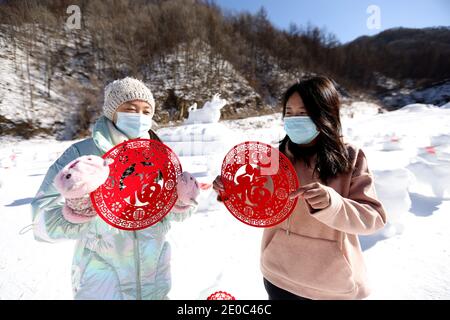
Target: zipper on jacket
137,263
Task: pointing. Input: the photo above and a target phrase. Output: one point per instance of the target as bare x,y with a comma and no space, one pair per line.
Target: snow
436,175
359,109
29,269
407,150
392,186
414,107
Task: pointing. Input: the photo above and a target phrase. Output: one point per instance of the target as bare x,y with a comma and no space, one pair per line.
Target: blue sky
347,19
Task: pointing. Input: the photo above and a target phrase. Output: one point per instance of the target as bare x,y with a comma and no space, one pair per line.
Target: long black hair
322,103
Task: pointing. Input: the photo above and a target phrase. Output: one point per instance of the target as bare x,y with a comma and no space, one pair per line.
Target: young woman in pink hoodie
315,253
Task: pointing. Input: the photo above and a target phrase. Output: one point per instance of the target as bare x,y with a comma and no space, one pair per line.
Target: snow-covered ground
408,151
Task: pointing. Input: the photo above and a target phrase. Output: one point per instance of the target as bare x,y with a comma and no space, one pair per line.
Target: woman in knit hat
110,263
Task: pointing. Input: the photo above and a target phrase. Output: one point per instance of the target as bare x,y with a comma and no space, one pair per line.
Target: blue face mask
133,125
301,129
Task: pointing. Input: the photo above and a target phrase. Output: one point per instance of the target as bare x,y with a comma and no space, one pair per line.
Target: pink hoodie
318,255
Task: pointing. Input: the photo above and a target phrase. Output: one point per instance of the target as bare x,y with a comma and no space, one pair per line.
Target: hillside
52,77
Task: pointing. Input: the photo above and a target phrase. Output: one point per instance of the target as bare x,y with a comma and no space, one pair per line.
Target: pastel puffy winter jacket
108,263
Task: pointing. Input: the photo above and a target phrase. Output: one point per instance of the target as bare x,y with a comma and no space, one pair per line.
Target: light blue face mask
133,125
300,129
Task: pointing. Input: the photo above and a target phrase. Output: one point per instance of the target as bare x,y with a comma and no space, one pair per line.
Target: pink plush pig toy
76,181
187,190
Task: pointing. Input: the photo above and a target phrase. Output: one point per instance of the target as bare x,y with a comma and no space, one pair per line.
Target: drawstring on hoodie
288,231
288,225
26,229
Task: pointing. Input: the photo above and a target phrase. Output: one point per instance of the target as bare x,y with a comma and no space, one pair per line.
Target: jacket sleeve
179,217
49,224
360,213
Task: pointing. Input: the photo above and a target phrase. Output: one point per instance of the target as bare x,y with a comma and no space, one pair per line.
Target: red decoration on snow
258,180
204,186
141,187
221,295
430,150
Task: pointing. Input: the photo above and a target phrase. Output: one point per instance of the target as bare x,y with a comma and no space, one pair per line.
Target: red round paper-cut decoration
141,187
220,295
258,180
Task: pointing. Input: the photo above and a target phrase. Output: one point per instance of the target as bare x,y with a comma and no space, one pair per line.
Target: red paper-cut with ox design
258,180
141,187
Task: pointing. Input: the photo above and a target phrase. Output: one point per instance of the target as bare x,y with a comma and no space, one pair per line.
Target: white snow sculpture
210,113
435,174
392,190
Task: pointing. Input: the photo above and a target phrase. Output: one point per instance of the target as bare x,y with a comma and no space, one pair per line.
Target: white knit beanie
123,90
